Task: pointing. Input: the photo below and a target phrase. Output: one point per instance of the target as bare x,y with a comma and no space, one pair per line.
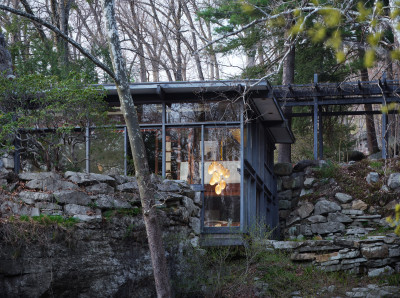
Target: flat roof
255,91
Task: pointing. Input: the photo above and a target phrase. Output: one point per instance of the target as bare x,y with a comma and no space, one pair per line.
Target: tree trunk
372,142
5,58
146,189
140,48
194,40
285,150
63,46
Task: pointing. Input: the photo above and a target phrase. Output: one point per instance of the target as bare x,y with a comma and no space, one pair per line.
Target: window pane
203,112
222,177
107,151
45,151
152,139
183,157
147,113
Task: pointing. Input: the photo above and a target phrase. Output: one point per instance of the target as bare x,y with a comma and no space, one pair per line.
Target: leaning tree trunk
146,190
285,150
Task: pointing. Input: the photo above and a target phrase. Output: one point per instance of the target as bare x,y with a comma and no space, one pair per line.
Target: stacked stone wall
344,233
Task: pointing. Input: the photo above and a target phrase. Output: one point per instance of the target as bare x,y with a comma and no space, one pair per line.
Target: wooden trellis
316,95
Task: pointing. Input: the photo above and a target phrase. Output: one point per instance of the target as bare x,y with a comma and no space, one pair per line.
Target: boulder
305,192
195,225
339,217
372,177
128,187
88,218
38,176
357,231
48,206
89,179
375,156
308,182
11,208
72,209
292,220
387,270
325,206
352,212
30,197
8,161
316,219
100,188
375,251
285,195
72,197
305,210
394,180
190,206
327,227
287,182
359,205
169,185
105,201
305,230
50,184
285,204
283,169
343,198
121,179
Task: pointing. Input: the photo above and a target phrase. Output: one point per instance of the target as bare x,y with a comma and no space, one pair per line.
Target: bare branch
62,35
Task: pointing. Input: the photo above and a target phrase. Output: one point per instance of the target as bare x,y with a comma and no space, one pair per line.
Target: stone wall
344,233
103,254
375,256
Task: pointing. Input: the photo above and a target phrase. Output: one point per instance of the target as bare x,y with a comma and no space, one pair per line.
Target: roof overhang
254,90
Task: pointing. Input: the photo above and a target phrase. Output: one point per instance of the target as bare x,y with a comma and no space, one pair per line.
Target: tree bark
146,189
285,150
194,40
372,142
140,48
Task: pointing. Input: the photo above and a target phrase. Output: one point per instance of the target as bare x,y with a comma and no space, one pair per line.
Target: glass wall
152,138
203,112
147,114
222,177
183,155
107,151
199,143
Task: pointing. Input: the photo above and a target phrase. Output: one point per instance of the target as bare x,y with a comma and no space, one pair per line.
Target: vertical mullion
163,117
202,179
202,156
125,151
243,205
87,147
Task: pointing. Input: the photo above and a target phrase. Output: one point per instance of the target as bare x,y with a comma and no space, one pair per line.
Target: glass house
218,136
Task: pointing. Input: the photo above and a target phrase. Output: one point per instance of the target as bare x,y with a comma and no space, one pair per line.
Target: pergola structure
316,95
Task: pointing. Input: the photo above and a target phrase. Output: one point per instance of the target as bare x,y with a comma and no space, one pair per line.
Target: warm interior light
223,184
227,173
217,172
218,189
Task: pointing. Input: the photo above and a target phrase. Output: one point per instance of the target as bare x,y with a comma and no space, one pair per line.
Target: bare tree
146,189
